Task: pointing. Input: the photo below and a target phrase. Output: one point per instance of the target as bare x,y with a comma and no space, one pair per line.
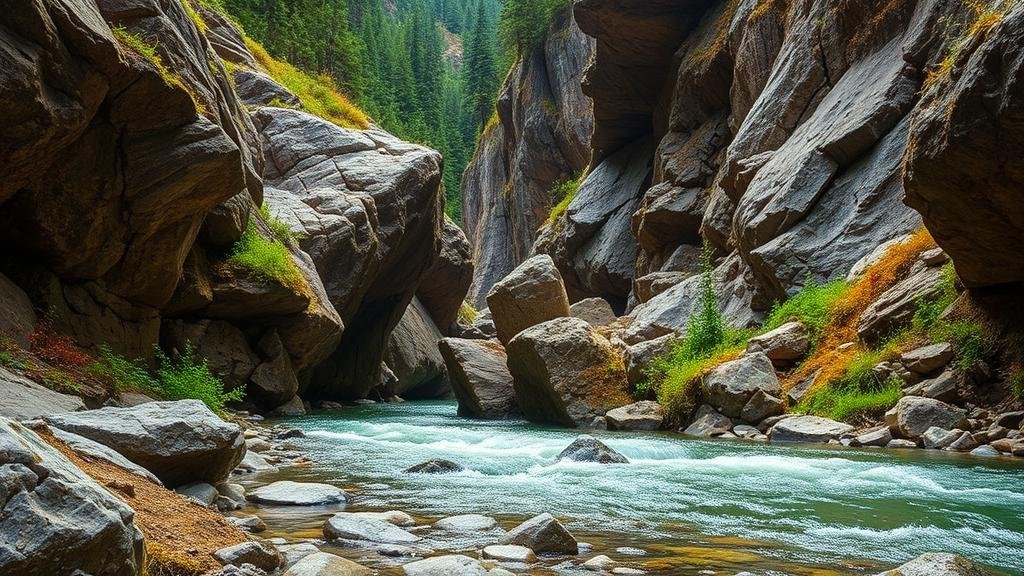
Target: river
690,505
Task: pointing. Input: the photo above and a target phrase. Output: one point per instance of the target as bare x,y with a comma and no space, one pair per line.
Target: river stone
644,415
509,553
880,437
586,448
180,442
708,422
600,563
435,466
530,294
253,524
395,517
638,357
760,406
252,463
730,386
808,430
543,534
938,564
451,565
985,451
352,527
324,564
965,442
913,416
289,493
478,370
200,492
596,311
782,345
928,359
259,553
938,438
466,523
54,519
565,373
1010,419
901,443
943,387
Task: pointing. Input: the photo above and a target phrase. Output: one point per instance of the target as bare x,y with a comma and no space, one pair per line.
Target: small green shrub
705,329
1017,385
967,338
281,230
812,306
60,380
10,361
467,314
844,400
184,378
127,376
562,194
266,257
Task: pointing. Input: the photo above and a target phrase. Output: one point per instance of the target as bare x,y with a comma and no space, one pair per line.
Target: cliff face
541,138
134,167
795,137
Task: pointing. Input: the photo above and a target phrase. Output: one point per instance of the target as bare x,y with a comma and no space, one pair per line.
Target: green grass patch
966,336
281,230
266,257
843,400
812,306
146,50
562,194
467,314
11,362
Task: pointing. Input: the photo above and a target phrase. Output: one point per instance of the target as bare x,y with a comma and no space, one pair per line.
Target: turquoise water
691,504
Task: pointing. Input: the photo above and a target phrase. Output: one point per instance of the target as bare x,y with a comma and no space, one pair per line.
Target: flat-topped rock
451,565
784,344
643,415
928,359
395,517
23,399
348,526
807,430
289,493
258,553
509,553
596,311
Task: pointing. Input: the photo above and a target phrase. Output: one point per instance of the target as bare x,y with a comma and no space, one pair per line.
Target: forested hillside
426,70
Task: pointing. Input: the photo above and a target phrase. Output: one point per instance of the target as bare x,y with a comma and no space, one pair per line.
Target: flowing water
689,505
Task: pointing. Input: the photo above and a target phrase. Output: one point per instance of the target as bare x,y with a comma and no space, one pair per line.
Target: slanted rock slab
928,359
784,344
289,493
180,442
478,370
914,415
451,565
543,534
807,430
589,449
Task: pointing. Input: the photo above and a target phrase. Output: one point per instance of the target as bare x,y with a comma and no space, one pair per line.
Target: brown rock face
541,138
962,170
443,288
531,294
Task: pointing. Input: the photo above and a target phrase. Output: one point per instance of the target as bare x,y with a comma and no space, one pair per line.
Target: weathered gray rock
466,523
938,438
435,466
201,492
531,294
179,442
913,416
985,451
54,519
289,493
253,524
643,415
785,344
901,443
543,534
965,442
323,564
17,315
273,381
708,423
589,449
257,89
596,311
395,517
565,373
259,553
638,357
731,385
760,406
26,400
650,285
943,387
92,449
896,306
509,553
293,407
352,527
938,564
807,430
928,359
443,288
252,463
450,565
479,376
413,356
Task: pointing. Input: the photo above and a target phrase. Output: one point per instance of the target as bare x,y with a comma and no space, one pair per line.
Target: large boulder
530,294
643,415
708,423
589,449
180,442
639,357
914,415
543,534
413,357
783,345
26,400
443,288
938,564
807,430
479,376
565,373
17,315
54,519
730,386
597,311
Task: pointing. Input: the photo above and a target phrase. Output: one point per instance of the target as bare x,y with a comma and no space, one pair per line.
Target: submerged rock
435,466
807,429
466,523
589,449
455,564
180,442
543,534
348,526
289,493
509,553
938,564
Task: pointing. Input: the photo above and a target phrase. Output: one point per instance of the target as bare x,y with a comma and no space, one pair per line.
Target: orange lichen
828,361
722,24
987,14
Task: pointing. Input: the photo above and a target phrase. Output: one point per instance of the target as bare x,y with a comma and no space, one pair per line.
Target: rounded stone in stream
451,565
509,553
288,493
435,466
354,527
324,564
589,449
543,534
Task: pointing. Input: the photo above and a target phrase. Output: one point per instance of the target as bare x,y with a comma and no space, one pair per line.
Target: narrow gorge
546,287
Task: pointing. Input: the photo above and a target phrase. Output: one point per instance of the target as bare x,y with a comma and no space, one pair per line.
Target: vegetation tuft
267,257
467,314
986,14
136,44
561,196
812,306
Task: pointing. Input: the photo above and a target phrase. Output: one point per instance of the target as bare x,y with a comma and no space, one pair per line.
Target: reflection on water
691,505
